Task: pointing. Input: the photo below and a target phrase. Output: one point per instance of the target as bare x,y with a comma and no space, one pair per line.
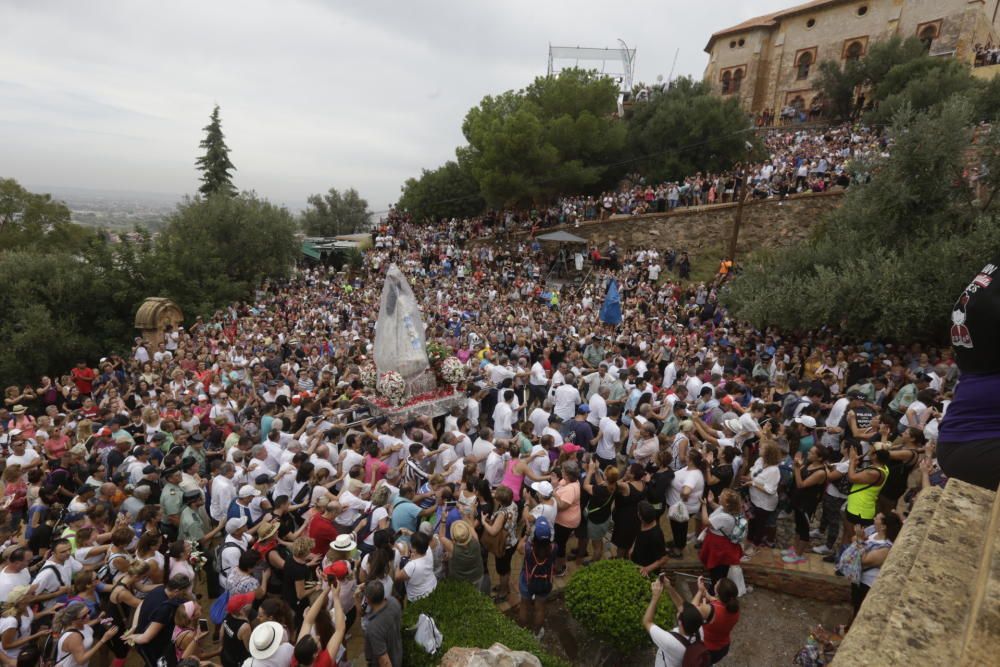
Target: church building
771,62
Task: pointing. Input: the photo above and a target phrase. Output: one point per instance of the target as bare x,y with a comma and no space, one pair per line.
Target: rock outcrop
497,655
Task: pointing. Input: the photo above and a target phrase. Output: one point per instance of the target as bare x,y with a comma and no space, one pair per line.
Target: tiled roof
770,20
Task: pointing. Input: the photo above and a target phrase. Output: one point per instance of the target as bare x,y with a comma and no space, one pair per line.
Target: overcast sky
112,94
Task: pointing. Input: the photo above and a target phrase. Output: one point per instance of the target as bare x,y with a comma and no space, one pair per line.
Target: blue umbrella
611,310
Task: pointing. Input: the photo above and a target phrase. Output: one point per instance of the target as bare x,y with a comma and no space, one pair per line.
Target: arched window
727,81
927,36
737,80
854,51
804,64
797,103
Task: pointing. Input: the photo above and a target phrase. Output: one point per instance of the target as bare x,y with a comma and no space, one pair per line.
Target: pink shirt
512,481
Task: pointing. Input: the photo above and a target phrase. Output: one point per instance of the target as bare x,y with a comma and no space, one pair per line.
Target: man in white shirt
55,577
223,492
538,379
598,406
235,545
503,415
496,462
15,573
609,435
539,419
566,398
553,430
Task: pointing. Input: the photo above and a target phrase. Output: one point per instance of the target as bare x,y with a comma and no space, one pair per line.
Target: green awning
310,250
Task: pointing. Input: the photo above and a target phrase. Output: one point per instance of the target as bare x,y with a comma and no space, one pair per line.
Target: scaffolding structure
617,63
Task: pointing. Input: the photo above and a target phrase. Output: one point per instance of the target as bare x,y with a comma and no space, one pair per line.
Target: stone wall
707,229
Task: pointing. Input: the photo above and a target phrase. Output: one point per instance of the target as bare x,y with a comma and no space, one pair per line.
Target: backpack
50,648
696,654
539,583
218,555
792,401
844,484
105,573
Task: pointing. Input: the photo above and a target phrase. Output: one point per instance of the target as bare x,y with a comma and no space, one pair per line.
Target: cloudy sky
112,94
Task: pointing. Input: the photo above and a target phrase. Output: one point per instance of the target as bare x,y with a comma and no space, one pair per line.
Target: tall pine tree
215,166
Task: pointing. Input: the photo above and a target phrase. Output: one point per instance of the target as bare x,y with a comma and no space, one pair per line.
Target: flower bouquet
453,370
197,559
369,376
392,385
437,353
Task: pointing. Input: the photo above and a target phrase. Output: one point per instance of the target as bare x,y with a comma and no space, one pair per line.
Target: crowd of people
806,160
227,494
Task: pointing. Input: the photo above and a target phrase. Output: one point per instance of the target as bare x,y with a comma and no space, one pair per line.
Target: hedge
469,619
608,599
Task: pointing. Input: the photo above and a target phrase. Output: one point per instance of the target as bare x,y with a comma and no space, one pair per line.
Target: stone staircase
937,598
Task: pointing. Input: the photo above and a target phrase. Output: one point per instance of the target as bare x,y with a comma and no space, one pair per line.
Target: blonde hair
84,430
771,454
303,546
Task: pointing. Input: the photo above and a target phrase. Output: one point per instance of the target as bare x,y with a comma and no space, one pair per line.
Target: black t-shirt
975,327
294,571
158,608
650,546
582,433
599,507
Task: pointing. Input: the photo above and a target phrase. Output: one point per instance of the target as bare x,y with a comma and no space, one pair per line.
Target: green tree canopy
893,74
686,129
215,166
37,221
557,135
218,250
891,260
336,213
446,192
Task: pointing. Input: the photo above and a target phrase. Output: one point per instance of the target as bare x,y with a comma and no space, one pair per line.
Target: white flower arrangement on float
392,386
369,376
453,370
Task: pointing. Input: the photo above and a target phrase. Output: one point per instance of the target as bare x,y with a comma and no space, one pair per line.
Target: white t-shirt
690,478
768,478
422,581
378,514
539,420
23,460
352,507
10,580
538,376
566,399
540,464
23,625
46,581
610,435
669,650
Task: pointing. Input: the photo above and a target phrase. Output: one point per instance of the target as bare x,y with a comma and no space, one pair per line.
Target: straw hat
461,533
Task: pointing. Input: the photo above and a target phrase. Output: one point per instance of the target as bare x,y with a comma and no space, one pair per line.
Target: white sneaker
540,634
822,550
815,533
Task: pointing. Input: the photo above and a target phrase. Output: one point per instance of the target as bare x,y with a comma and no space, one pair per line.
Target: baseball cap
542,488
337,569
247,491
856,395
149,470
806,420
263,479
582,409
234,524
543,529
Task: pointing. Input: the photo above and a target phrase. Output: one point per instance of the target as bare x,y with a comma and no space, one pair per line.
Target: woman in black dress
631,490
650,550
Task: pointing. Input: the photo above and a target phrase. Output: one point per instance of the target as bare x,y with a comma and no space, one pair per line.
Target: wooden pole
734,239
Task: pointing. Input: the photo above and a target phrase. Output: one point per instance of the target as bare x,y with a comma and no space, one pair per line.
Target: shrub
609,597
466,618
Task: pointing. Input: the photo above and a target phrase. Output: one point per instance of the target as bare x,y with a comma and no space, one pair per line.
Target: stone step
919,608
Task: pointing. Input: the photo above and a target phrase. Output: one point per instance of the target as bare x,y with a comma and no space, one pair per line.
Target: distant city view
115,210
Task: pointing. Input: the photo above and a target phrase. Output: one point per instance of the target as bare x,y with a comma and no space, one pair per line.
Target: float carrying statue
399,334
